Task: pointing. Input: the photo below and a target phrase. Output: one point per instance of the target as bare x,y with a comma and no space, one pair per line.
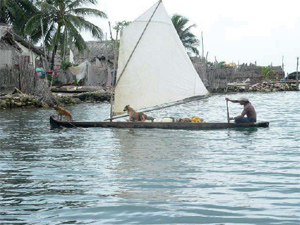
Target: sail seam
142,21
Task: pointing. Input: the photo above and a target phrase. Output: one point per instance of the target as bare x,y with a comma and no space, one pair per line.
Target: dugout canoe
54,123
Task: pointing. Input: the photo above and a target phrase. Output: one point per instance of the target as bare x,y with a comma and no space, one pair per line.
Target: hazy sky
234,30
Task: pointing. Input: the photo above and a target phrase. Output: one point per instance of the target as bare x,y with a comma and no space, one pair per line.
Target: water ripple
115,176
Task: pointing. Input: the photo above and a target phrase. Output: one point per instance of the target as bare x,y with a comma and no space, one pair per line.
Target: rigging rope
138,42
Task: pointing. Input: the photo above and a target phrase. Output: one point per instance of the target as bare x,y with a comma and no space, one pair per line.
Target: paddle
227,112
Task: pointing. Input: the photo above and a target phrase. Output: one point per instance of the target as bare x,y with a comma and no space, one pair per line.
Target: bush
65,65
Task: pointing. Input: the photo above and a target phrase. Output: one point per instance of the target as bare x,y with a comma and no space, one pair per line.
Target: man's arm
234,101
243,113
240,116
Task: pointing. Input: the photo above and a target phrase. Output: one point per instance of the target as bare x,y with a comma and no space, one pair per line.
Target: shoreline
20,100
17,100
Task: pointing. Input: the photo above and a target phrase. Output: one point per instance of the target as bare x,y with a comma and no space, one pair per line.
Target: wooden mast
297,77
227,112
114,75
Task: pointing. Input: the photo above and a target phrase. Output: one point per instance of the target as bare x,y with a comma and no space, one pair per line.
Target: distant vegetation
121,25
266,71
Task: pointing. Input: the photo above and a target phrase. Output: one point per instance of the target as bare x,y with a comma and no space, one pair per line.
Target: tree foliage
121,25
188,39
16,13
63,20
266,71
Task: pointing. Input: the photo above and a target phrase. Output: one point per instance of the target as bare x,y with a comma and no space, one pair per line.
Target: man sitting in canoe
249,111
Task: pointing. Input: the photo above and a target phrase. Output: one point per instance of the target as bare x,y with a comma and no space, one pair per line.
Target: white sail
159,70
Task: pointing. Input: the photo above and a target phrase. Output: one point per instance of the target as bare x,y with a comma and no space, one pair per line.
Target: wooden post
297,77
202,45
20,87
227,112
65,43
111,37
113,76
44,46
52,78
109,76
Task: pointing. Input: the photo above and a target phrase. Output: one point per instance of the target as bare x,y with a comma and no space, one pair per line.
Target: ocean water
140,176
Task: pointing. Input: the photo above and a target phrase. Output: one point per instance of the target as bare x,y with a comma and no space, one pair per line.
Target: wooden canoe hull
155,125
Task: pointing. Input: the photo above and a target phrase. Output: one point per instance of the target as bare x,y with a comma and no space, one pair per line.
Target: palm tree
16,13
188,39
266,71
62,22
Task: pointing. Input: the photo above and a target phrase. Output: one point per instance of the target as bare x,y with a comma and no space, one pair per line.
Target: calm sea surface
122,176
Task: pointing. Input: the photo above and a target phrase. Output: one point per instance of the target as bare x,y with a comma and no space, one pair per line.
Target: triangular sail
159,70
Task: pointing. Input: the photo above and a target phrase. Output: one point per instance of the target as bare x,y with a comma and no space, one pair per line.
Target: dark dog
135,116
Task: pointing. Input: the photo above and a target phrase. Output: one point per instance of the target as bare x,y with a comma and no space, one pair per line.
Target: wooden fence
26,81
217,78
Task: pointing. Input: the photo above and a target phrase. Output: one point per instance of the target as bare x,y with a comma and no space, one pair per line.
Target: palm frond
80,23
62,21
17,13
89,12
78,39
46,7
76,3
32,23
49,36
188,39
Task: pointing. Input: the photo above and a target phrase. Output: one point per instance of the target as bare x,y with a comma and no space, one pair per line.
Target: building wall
6,58
30,53
8,55
9,78
9,72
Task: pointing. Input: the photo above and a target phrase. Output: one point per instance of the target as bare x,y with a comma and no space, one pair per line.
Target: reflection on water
145,156
123,176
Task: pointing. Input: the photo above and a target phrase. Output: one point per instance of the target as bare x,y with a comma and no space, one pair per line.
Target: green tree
16,13
266,71
63,20
121,25
188,39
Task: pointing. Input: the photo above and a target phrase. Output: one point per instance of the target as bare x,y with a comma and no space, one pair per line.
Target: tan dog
62,112
135,116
